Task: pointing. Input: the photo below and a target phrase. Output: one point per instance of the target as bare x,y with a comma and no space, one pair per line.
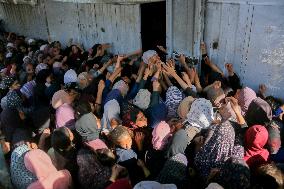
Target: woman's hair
269,176
106,157
95,49
118,133
82,107
60,139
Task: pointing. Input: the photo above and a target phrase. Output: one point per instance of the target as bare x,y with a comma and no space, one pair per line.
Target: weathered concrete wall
250,34
85,23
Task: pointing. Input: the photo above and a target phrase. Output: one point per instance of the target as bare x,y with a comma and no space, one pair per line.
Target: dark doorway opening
153,25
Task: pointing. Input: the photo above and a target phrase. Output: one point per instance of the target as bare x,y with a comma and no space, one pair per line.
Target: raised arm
169,69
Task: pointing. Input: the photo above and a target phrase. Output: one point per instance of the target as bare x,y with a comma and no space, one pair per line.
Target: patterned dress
20,176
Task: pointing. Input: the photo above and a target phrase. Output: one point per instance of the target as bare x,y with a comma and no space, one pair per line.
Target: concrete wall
85,23
250,34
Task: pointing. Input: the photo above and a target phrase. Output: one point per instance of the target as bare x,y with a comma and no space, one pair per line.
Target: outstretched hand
169,69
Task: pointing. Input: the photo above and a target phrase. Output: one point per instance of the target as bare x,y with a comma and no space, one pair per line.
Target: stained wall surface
86,23
249,34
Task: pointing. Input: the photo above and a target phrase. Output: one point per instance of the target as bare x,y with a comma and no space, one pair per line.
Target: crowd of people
88,119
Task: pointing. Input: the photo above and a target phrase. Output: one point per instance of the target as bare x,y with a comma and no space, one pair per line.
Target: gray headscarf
111,111
87,127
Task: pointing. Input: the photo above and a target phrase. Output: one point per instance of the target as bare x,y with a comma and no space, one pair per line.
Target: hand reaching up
169,69
230,69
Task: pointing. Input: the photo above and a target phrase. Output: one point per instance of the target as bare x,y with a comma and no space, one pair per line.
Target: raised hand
229,68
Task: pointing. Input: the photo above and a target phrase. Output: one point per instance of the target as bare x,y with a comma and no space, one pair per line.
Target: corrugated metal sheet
85,23
250,37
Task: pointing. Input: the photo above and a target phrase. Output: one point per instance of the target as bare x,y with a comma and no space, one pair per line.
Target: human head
122,86
142,99
161,135
83,80
74,49
134,118
150,56
121,137
245,96
61,139
97,50
45,59
200,114
29,68
269,176
82,108
184,107
70,77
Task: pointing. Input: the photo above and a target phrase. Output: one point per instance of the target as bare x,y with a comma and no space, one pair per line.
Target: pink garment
161,135
65,116
255,139
39,163
246,96
96,144
59,98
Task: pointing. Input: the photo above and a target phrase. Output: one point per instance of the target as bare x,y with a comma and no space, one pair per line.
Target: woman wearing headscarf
87,125
259,112
173,99
256,138
245,96
95,168
118,92
174,171
42,80
217,149
20,176
111,115
12,115
200,116
126,157
47,176
61,102
63,150
155,156
7,84
234,174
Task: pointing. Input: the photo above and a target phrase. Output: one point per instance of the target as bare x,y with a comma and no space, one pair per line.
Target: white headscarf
200,114
147,55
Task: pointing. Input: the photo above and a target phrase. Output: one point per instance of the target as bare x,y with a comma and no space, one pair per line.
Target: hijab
91,174
87,127
255,139
173,99
200,114
234,174
174,171
111,111
217,150
259,113
161,135
245,97
59,98
40,164
65,116
122,87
